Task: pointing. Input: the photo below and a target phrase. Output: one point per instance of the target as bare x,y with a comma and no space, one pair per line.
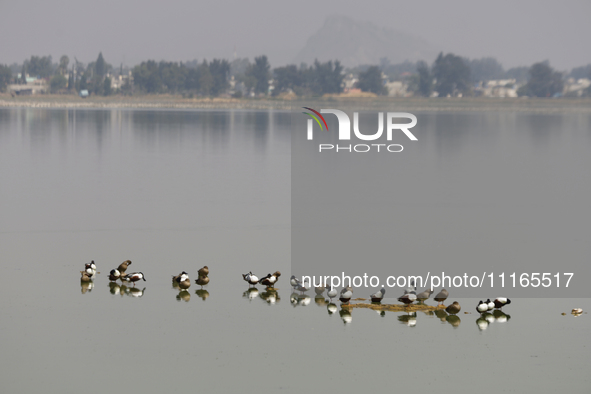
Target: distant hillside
354,43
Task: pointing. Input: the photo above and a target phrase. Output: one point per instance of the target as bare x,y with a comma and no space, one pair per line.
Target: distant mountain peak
356,42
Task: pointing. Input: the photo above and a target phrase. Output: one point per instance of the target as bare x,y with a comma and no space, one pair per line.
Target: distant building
34,85
397,89
577,87
497,88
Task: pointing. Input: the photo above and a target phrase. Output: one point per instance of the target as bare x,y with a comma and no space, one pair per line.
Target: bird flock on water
409,297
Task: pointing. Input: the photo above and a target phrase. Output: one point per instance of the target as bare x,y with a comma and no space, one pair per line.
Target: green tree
39,66
287,78
219,69
5,77
425,80
107,91
260,73
326,77
485,69
99,66
57,83
452,75
371,81
23,79
205,79
543,81
63,66
146,77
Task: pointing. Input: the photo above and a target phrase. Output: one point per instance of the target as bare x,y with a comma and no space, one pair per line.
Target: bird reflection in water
454,320
410,319
270,296
485,319
331,308
346,315
86,286
304,300
441,314
134,291
320,300
251,293
202,293
183,295
115,289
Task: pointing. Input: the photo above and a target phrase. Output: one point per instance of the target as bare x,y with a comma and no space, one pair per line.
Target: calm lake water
176,190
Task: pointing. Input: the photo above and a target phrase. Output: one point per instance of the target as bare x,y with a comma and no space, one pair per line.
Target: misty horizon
515,34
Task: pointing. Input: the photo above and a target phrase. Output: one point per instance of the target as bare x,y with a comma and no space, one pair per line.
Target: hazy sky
128,31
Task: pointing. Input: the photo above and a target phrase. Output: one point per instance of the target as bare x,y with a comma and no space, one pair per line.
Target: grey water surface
177,190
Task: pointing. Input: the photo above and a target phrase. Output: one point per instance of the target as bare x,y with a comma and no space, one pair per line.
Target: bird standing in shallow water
294,282
123,266
408,298
133,277
202,280
203,271
183,280
424,296
332,292
378,296
454,308
441,296
250,278
501,302
482,307
90,267
302,287
114,275
270,280
346,294
85,277
319,290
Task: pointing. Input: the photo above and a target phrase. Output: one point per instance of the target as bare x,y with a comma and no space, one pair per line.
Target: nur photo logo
344,130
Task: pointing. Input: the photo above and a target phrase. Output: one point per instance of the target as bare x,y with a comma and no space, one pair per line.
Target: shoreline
561,105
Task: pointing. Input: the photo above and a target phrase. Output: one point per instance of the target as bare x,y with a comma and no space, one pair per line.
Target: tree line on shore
449,75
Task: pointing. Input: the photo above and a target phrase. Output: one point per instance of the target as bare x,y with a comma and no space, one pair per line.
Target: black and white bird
182,280
114,275
408,298
378,295
133,277
482,307
90,266
441,296
250,278
501,302
270,279
491,304
332,292
346,294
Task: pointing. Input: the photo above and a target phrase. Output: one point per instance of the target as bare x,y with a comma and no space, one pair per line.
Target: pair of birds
183,281
411,296
119,273
268,281
89,272
489,305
